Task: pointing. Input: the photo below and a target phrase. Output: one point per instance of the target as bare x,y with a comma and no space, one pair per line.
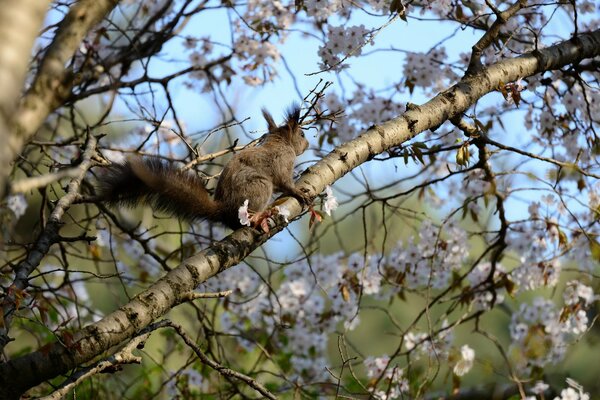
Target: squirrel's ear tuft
269,118
292,117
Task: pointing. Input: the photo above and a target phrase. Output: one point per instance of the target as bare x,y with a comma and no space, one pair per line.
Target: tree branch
492,33
47,238
215,365
123,356
20,22
53,81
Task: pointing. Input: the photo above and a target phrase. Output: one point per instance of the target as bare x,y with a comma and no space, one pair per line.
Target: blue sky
375,71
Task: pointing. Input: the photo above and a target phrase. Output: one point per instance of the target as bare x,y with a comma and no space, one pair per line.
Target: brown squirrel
253,174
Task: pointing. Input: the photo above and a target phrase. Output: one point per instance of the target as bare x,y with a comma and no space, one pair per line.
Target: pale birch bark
53,81
20,23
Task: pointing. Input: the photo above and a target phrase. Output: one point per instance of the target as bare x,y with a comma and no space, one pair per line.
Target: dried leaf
562,238
345,293
95,251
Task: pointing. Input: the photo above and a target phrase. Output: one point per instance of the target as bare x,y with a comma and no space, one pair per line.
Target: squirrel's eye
302,133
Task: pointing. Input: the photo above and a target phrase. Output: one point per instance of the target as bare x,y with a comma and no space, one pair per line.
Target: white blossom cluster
342,42
438,7
465,362
561,118
432,260
17,204
484,298
320,294
533,275
541,333
379,5
439,346
322,9
395,382
535,330
257,56
298,303
366,108
427,70
573,392
269,16
577,293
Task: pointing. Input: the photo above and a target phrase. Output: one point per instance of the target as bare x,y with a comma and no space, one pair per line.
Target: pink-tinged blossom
376,365
342,42
243,214
512,92
573,101
578,323
190,43
197,59
253,80
534,210
439,7
547,123
395,383
322,9
379,5
425,70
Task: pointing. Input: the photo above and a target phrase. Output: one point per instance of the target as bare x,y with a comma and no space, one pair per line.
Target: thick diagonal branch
491,34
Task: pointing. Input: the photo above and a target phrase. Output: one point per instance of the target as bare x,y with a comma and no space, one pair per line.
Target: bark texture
53,81
20,22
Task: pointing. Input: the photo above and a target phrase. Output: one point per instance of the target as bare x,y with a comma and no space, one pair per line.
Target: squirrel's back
252,174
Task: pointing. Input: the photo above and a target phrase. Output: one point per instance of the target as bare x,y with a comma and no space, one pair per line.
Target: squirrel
252,174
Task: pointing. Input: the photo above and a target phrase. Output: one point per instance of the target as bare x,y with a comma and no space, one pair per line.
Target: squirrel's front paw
303,196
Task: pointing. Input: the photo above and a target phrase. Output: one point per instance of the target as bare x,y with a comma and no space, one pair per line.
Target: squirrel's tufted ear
269,118
293,116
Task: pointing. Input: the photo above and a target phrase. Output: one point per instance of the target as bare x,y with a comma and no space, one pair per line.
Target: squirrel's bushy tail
159,184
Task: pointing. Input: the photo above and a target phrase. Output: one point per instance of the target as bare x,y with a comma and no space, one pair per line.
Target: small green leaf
595,249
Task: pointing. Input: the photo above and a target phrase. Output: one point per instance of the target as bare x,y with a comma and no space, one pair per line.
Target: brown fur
253,174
